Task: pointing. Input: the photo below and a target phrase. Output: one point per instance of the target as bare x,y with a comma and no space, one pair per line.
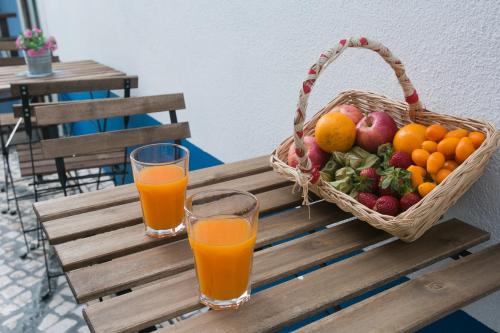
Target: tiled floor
23,307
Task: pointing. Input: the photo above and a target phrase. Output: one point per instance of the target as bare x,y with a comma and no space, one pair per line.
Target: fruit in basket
408,200
425,188
457,133
409,137
417,175
349,110
400,159
387,205
374,130
435,132
435,162
367,199
464,149
450,165
477,138
420,156
447,147
368,180
395,182
430,146
318,157
335,132
441,175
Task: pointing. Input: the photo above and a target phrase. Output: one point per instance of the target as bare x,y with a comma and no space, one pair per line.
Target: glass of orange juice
161,176
222,228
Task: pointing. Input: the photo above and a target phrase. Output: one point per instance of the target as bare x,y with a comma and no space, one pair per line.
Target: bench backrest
106,108
96,83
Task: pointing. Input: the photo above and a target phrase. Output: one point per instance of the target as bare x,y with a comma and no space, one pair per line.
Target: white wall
240,65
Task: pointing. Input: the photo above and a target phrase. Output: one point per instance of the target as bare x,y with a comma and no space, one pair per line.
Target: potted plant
37,51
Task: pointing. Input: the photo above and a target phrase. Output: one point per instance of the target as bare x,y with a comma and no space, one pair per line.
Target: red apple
349,110
318,157
375,129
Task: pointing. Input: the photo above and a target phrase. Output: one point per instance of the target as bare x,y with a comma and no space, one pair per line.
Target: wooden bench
85,150
302,265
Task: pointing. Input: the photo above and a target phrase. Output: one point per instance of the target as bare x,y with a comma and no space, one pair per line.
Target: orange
450,165
417,175
425,188
435,132
435,162
419,157
441,175
409,137
447,146
464,149
458,133
430,146
335,132
477,138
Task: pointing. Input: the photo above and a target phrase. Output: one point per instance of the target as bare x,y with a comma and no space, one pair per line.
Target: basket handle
324,60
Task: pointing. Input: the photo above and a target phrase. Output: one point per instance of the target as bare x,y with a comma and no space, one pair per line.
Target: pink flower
36,53
28,34
37,30
51,43
18,42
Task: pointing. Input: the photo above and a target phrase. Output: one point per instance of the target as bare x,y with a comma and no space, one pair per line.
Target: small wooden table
303,266
63,72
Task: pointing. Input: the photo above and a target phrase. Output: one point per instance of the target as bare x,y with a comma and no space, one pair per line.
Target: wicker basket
412,223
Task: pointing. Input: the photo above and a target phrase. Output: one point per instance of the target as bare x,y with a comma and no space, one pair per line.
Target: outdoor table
63,72
308,262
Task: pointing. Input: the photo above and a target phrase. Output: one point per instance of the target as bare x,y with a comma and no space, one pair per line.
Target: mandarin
457,133
464,149
435,132
447,146
477,138
409,137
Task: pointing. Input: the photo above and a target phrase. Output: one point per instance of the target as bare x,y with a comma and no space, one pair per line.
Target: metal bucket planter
40,65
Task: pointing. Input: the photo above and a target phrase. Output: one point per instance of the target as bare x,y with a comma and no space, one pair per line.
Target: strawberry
395,181
408,200
387,205
400,159
367,199
367,181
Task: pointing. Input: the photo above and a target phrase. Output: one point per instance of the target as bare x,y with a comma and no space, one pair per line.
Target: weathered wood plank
109,245
88,202
174,296
142,267
298,299
416,303
54,114
84,81
46,167
8,45
105,141
103,220
18,61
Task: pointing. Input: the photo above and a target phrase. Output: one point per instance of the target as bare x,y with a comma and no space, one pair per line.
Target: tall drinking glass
161,176
222,228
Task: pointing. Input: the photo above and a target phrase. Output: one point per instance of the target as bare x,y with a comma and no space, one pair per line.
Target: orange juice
162,190
223,251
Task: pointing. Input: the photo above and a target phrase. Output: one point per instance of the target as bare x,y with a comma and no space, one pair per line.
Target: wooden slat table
63,72
302,265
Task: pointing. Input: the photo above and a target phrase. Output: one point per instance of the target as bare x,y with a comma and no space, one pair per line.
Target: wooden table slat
292,301
88,202
120,216
178,294
116,243
418,302
142,267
